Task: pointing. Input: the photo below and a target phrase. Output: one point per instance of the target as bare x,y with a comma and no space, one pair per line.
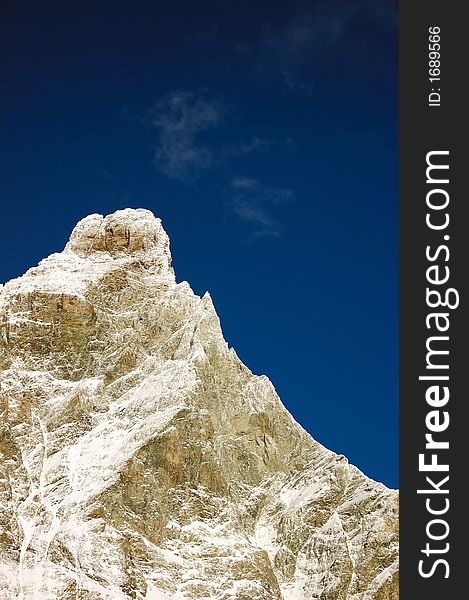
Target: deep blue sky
264,134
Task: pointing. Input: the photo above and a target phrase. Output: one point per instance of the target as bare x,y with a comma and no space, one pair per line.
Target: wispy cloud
180,118
294,49
326,23
254,202
185,148
184,121
242,148
294,83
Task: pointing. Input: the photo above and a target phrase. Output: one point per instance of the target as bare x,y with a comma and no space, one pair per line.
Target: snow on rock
140,459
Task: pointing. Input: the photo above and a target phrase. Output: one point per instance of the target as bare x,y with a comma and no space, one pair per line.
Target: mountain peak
140,459
132,232
127,231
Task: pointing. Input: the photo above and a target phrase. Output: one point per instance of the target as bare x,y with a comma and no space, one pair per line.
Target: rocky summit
140,459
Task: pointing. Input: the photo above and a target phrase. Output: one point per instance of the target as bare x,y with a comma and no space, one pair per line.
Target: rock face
139,458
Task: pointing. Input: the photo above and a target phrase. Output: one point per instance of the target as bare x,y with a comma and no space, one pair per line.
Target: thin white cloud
239,148
265,224
254,202
244,182
183,120
180,118
294,48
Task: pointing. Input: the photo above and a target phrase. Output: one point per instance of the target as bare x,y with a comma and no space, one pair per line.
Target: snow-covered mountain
140,459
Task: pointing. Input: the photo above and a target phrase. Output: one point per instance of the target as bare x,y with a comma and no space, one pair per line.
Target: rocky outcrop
141,459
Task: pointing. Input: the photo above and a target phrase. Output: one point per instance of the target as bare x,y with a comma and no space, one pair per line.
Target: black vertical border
423,129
